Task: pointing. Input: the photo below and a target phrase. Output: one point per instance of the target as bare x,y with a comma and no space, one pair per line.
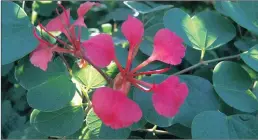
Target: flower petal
114,108
169,96
81,11
168,47
41,56
59,22
100,49
133,31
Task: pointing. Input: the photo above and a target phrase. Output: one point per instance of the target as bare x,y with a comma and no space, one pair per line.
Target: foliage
129,69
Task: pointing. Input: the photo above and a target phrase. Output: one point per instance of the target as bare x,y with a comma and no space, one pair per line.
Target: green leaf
15,26
101,131
44,8
201,97
10,119
144,8
245,43
30,76
89,76
144,100
204,31
251,57
6,69
63,122
232,82
216,125
48,90
180,131
204,72
242,12
28,133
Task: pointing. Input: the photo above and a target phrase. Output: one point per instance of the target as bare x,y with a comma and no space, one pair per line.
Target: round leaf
232,82
47,91
205,31
15,26
216,125
51,95
90,77
201,97
62,122
242,12
251,57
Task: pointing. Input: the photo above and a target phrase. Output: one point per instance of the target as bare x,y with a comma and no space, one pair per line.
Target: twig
206,63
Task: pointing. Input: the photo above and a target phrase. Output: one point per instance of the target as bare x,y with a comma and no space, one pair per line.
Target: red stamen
141,88
119,66
70,37
64,10
62,50
143,64
129,59
41,40
152,72
134,81
59,40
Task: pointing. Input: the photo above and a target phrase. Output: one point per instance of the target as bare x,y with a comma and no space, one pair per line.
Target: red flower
167,96
44,52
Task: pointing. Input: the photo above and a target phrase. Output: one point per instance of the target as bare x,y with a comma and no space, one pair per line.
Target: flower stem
152,72
206,63
143,64
133,80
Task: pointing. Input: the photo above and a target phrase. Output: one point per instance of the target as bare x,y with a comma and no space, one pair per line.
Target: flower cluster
43,54
167,96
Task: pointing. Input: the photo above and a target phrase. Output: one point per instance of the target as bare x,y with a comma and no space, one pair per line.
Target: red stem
59,40
141,88
41,40
119,66
62,50
129,59
64,10
152,72
133,80
143,64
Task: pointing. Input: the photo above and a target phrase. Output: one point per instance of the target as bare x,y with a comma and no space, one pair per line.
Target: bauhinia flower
42,55
167,96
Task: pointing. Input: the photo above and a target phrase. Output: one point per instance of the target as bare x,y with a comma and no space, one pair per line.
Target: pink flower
41,56
114,108
168,96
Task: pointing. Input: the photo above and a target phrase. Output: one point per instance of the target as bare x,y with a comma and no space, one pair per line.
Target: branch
205,63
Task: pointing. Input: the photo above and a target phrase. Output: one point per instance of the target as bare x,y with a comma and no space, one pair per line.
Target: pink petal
80,22
81,11
133,31
41,56
169,96
59,22
168,47
114,108
100,49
